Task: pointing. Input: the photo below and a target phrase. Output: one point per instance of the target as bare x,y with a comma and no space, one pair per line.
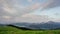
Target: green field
12,30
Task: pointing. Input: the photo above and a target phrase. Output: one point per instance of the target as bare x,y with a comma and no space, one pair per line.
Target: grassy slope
12,30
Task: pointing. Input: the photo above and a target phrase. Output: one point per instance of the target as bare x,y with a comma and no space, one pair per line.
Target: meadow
13,30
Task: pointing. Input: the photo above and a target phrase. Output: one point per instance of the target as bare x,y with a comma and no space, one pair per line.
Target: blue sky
29,10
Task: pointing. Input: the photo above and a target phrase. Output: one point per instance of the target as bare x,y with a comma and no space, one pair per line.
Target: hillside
13,30
42,25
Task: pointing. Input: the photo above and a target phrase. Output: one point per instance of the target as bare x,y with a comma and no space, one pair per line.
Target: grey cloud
8,8
10,4
55,3
35,18
27,18
51,4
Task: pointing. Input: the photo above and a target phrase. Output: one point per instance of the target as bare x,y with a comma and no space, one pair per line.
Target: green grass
12,30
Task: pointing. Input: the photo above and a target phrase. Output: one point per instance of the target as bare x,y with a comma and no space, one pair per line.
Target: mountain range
43,25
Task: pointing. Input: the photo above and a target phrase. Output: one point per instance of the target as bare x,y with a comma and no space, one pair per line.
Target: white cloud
10,11
9,8
26,18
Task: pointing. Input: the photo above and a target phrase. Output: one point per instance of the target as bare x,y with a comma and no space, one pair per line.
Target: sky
13,11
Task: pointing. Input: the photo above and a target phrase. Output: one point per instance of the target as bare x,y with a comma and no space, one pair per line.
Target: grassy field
12,30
